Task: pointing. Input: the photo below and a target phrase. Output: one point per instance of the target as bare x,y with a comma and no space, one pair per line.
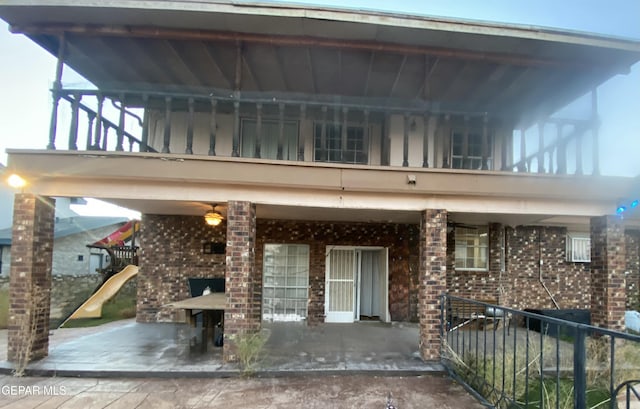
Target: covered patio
131,349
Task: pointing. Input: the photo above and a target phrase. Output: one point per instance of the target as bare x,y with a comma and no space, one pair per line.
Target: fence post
579,369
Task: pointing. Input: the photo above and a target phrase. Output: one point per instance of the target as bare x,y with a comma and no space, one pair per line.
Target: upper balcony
320,85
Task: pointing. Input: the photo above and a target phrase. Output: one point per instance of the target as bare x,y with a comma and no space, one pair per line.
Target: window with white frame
473,152
269,136
335,148
578,247
472,248
285,282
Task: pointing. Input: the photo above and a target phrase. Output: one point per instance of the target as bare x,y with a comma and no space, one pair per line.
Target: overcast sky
27,71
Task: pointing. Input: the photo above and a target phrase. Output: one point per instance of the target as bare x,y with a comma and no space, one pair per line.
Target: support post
425,138
73,126
167,125
608,265
97,133
213,127
242,315
433,280
595,124
235,148
280,155
446,142
405,140
366,136
466,163
541,168
345,134
522,165
562,152
303,115
485,144
30,279
55,92
323,136
258,152
120,131
144,141
190,106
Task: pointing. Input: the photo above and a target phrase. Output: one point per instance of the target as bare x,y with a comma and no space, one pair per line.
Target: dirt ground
348,391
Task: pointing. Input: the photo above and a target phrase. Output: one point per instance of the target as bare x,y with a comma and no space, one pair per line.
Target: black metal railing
519,359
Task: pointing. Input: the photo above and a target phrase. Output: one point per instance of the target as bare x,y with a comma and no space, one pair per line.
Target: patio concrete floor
132,349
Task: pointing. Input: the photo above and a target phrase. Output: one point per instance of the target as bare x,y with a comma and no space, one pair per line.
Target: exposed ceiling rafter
190,34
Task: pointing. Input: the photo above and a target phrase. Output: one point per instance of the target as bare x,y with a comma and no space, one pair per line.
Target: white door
340,285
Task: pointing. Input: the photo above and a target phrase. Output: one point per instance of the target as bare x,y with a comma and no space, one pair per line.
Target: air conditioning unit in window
578,248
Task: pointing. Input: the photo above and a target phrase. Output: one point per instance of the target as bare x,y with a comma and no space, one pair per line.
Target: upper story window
336,147
269,139
472,158
472,248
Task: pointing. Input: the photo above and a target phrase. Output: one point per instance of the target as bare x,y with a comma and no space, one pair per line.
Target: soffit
519,73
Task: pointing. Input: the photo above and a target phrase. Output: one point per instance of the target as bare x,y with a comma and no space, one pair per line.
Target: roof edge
360,16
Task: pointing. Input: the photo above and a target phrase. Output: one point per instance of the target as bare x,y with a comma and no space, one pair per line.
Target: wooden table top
213,301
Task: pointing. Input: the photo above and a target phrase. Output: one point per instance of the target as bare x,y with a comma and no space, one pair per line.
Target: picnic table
210,305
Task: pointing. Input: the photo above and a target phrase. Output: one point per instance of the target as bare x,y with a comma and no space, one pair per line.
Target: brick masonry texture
242,315
608,265
632,274
400,239
432,279
533,252
170,253
30,281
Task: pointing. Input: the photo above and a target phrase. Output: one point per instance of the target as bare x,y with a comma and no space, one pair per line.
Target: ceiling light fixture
213,217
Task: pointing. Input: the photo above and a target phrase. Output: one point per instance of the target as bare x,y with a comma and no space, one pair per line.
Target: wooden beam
299,41
184,67
281,67
368,76
210,57
398,74
429,69
314,87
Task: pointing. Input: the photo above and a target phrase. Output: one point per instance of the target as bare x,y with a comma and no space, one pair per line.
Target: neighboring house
362,163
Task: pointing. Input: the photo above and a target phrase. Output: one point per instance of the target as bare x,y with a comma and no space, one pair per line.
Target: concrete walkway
354,391
130,349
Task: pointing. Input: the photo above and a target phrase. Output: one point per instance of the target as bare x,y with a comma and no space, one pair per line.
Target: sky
27,71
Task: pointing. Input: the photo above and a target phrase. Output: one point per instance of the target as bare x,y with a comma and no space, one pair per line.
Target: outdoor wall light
16,181
212,217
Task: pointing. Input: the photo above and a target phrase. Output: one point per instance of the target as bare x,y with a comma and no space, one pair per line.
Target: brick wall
170,253
477,285
242,315
433,282
568,282
400,239
30,281
632,276
608,264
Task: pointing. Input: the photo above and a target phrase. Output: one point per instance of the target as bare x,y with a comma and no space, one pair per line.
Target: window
269,139
578,248
352,150
474,151
472,248
285,282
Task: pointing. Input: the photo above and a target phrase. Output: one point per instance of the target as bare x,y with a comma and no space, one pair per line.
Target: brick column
433,275
30,281
242,314
608,292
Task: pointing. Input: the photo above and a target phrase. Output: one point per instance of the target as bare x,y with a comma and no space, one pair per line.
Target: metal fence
518,359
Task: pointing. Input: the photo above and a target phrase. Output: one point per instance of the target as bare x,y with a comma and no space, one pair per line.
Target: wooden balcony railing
335,115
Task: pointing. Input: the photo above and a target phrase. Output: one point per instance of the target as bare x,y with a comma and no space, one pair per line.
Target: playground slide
92,308
120,236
